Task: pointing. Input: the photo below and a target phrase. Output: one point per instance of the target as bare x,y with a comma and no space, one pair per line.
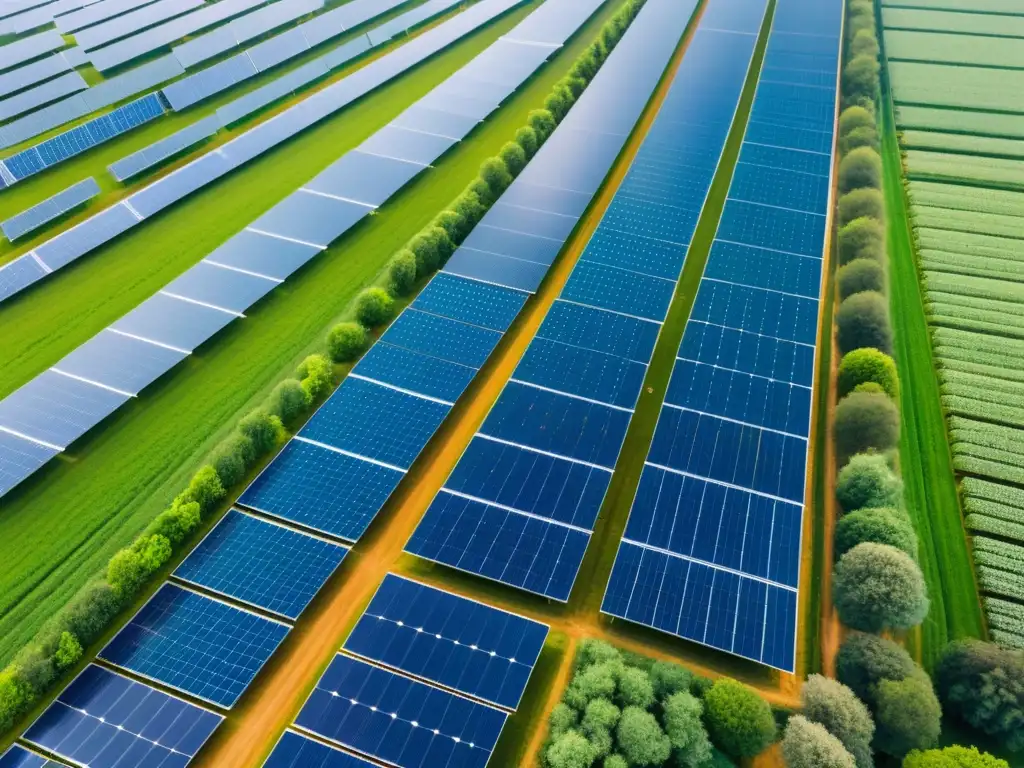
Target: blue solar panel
322,489
437,636
262,254
748,351
411,146
601,331
29,48
159,151
180,324
51,90
19,458
105,720
129,23
37,71
19,757
516,245
501,271
780,188
120,362
311,218
195,644
470,301
412,371
771,227
51,208
262,563
630,293
399,720
297,751
442,337
786,159
17,275
367,179
581,372
761,268
219,286
635,252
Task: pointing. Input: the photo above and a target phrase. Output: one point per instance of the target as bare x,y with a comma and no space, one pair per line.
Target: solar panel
195,644
18,757
124,363
17,275
411,146
49,209
159,151
414,372
262,254
553,25
95,13
37,17
219,77
216,286
261,563
19,458
26,49
23,77
311,218
82,238
49,91
471,302
297,751
130,23
397,719
459,643
106,720
367,179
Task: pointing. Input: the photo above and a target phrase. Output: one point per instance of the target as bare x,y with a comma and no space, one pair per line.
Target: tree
865,421
15,697
865,136
860,79
559,101
641,739
130,568
870,387
90,611
862,238
616,761
863,321
570,750
842,714
860,275
739,721
591,651
953,757
855,117
205,488
562,718
346,341
681,715
261,428
69,651
513,156
542,122
374,307
868,481
878,526
809,745
600,714
668,678
876,587
907,715
861,202
287,400
862,167
864,43
232,458
635,688
495,175
432,246
983,684
868,364
593,682
402,267
176,522
526,138
865,660
470,209
315,371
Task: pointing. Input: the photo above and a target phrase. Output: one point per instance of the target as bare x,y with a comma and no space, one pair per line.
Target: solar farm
465,383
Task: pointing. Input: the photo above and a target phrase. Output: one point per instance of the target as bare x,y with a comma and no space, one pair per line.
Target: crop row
960,121
981,320
1003,548
1013,532
965,168
1000,582
950,363
976,266
964,23
958,197
1000,224
982,433
917,45
949,85
970,243
1002,306
993,491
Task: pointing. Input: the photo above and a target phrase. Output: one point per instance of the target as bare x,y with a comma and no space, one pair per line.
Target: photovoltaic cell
17,275
311,218
179,324
414,372
221,287
263,255
297,751
470,301
95,13
362,178
23,77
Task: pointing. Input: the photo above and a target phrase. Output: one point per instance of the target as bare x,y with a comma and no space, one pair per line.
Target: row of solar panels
111,222
711,551
521,503
30,74
39,15
49,209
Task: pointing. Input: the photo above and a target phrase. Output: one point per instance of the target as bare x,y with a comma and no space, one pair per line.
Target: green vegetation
810,745
842,714
877,587
953,757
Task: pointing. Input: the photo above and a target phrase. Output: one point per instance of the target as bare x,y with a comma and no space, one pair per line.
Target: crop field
961,124
980,6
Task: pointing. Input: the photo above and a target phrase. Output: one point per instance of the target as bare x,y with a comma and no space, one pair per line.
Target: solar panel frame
160,151
121,362
129,24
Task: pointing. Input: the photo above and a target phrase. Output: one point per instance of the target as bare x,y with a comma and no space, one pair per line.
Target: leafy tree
865,136
855,117
262,429
863,321
576,86
907,715
868,364
570,750
681,714
878,526
615,761
867,481
346,341
374,307
452,223
600,714
860,79
130,568
809,745
668,678
402,267
559,101
864,43
739,721
859,203
176,522
635,688
865,660
15,697
860,168
602,742
641,739
562,718
35,667
315,371
591,651
865,421
432,246
837,708
90,611
526,138
876,587
953,757
232,458
470,209
513,156
205,488
69,651
287,400
983,684
594,682
862,238
542,122
495,175
719,759
870,387
860,275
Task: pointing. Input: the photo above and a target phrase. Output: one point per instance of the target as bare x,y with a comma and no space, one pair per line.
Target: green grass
59,530
930,487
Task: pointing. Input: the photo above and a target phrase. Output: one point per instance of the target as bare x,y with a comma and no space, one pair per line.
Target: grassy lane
930,487
63,526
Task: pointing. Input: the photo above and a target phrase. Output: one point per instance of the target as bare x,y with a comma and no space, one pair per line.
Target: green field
962,23
978,6
959,121
976,50
60,529
952,86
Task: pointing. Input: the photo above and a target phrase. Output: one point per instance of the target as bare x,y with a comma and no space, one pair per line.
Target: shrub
865,421
594,682
862,167
864,43
90,611
176,523
634,688
562,718
865,660
615,761
953,757
69,651
868,364
859,22
842,714
570,750
451,222
262,428
739,721
346,341
861,202
668,678
641,739
809,745
876,526
542,122
559,102
871,387
868,481
130,568
287,400
855,117
877,587
860,79
431,248
15,697
470,209
862,238
983,685
205,489
860,275
600,715
526,138
374,307
402,267
513,156
232,458
865,136
863,321
315,371
591,651
495,175
681,715
907,715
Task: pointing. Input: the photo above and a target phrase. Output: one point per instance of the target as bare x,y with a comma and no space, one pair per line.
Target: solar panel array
520,505
203,300
30,74
28,48
49,209
167,147
95,13
105,720
40,16
711,551
294,750
128,24
32,98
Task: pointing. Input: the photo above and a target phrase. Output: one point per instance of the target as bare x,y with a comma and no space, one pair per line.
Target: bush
451,223
15,697
877,587
668,678
641,739
542,122
983,685
594,682
232,458
205,489
864,43
907,715
865,136
862,238
600,715
570,750
953,757
634,688
855,117
90,611
287,400
495,175
176,523
841,713
69,651
432,247
861,202
402,266
876,526
868,364
262,428
863,321
559,102
681,715
130,568
865,421
470,209
858,276
861,168
346,341
526,138
809,745
562,718
870,387
864,661
374,307
739,721
868,481
513,156
315,371
591,651
860,79
615,761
